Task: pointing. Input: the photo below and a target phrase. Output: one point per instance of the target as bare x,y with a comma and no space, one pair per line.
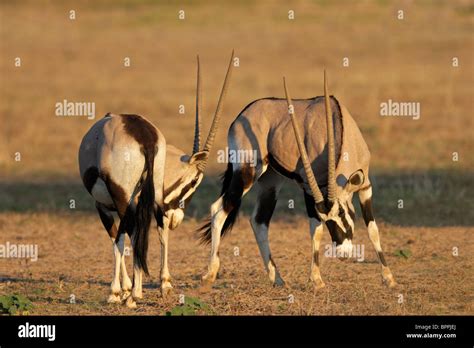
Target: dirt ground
75,258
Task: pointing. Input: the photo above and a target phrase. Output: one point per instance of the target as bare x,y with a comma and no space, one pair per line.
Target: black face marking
266,206
177,202
337,234
322,208
346,226
345,222
172,188
90,178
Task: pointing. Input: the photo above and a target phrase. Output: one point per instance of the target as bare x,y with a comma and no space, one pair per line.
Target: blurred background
409,59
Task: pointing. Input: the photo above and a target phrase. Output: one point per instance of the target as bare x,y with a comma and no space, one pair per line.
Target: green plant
406,253
191,306
15,304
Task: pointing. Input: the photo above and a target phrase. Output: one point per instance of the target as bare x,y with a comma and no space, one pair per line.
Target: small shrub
191,306
15,304
405,253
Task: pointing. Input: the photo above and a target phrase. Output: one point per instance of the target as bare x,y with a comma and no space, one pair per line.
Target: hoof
130,303
278,283
387,278
205,288
389,282
318,284
207,280
206,285
125,295
137,294
114,298
166,290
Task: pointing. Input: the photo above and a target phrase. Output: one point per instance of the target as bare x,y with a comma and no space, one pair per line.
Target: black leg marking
241,180
107,220
367,211
266,206
382,258
368,214
90,178
310,206
316,257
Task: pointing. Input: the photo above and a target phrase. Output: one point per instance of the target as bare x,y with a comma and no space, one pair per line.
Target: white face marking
334,216
179,190
348,216
175,217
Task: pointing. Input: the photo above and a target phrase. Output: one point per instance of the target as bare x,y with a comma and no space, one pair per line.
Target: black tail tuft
144,212
229,200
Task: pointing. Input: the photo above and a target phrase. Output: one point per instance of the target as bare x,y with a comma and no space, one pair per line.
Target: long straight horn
217,115
313,184
197,126
331,149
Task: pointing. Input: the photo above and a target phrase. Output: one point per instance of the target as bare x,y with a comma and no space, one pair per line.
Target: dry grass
75,258
82,60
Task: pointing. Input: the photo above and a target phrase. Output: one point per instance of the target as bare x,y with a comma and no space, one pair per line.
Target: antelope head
185,172
336,211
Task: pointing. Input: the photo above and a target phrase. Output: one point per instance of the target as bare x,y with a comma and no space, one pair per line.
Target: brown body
265,126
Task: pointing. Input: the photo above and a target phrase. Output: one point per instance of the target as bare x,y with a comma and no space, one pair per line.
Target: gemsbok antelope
263,129
128,168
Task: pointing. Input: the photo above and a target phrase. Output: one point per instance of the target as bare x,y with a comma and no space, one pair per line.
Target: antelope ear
199,157
355,181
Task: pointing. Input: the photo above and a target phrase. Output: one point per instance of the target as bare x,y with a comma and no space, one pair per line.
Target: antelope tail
144,211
